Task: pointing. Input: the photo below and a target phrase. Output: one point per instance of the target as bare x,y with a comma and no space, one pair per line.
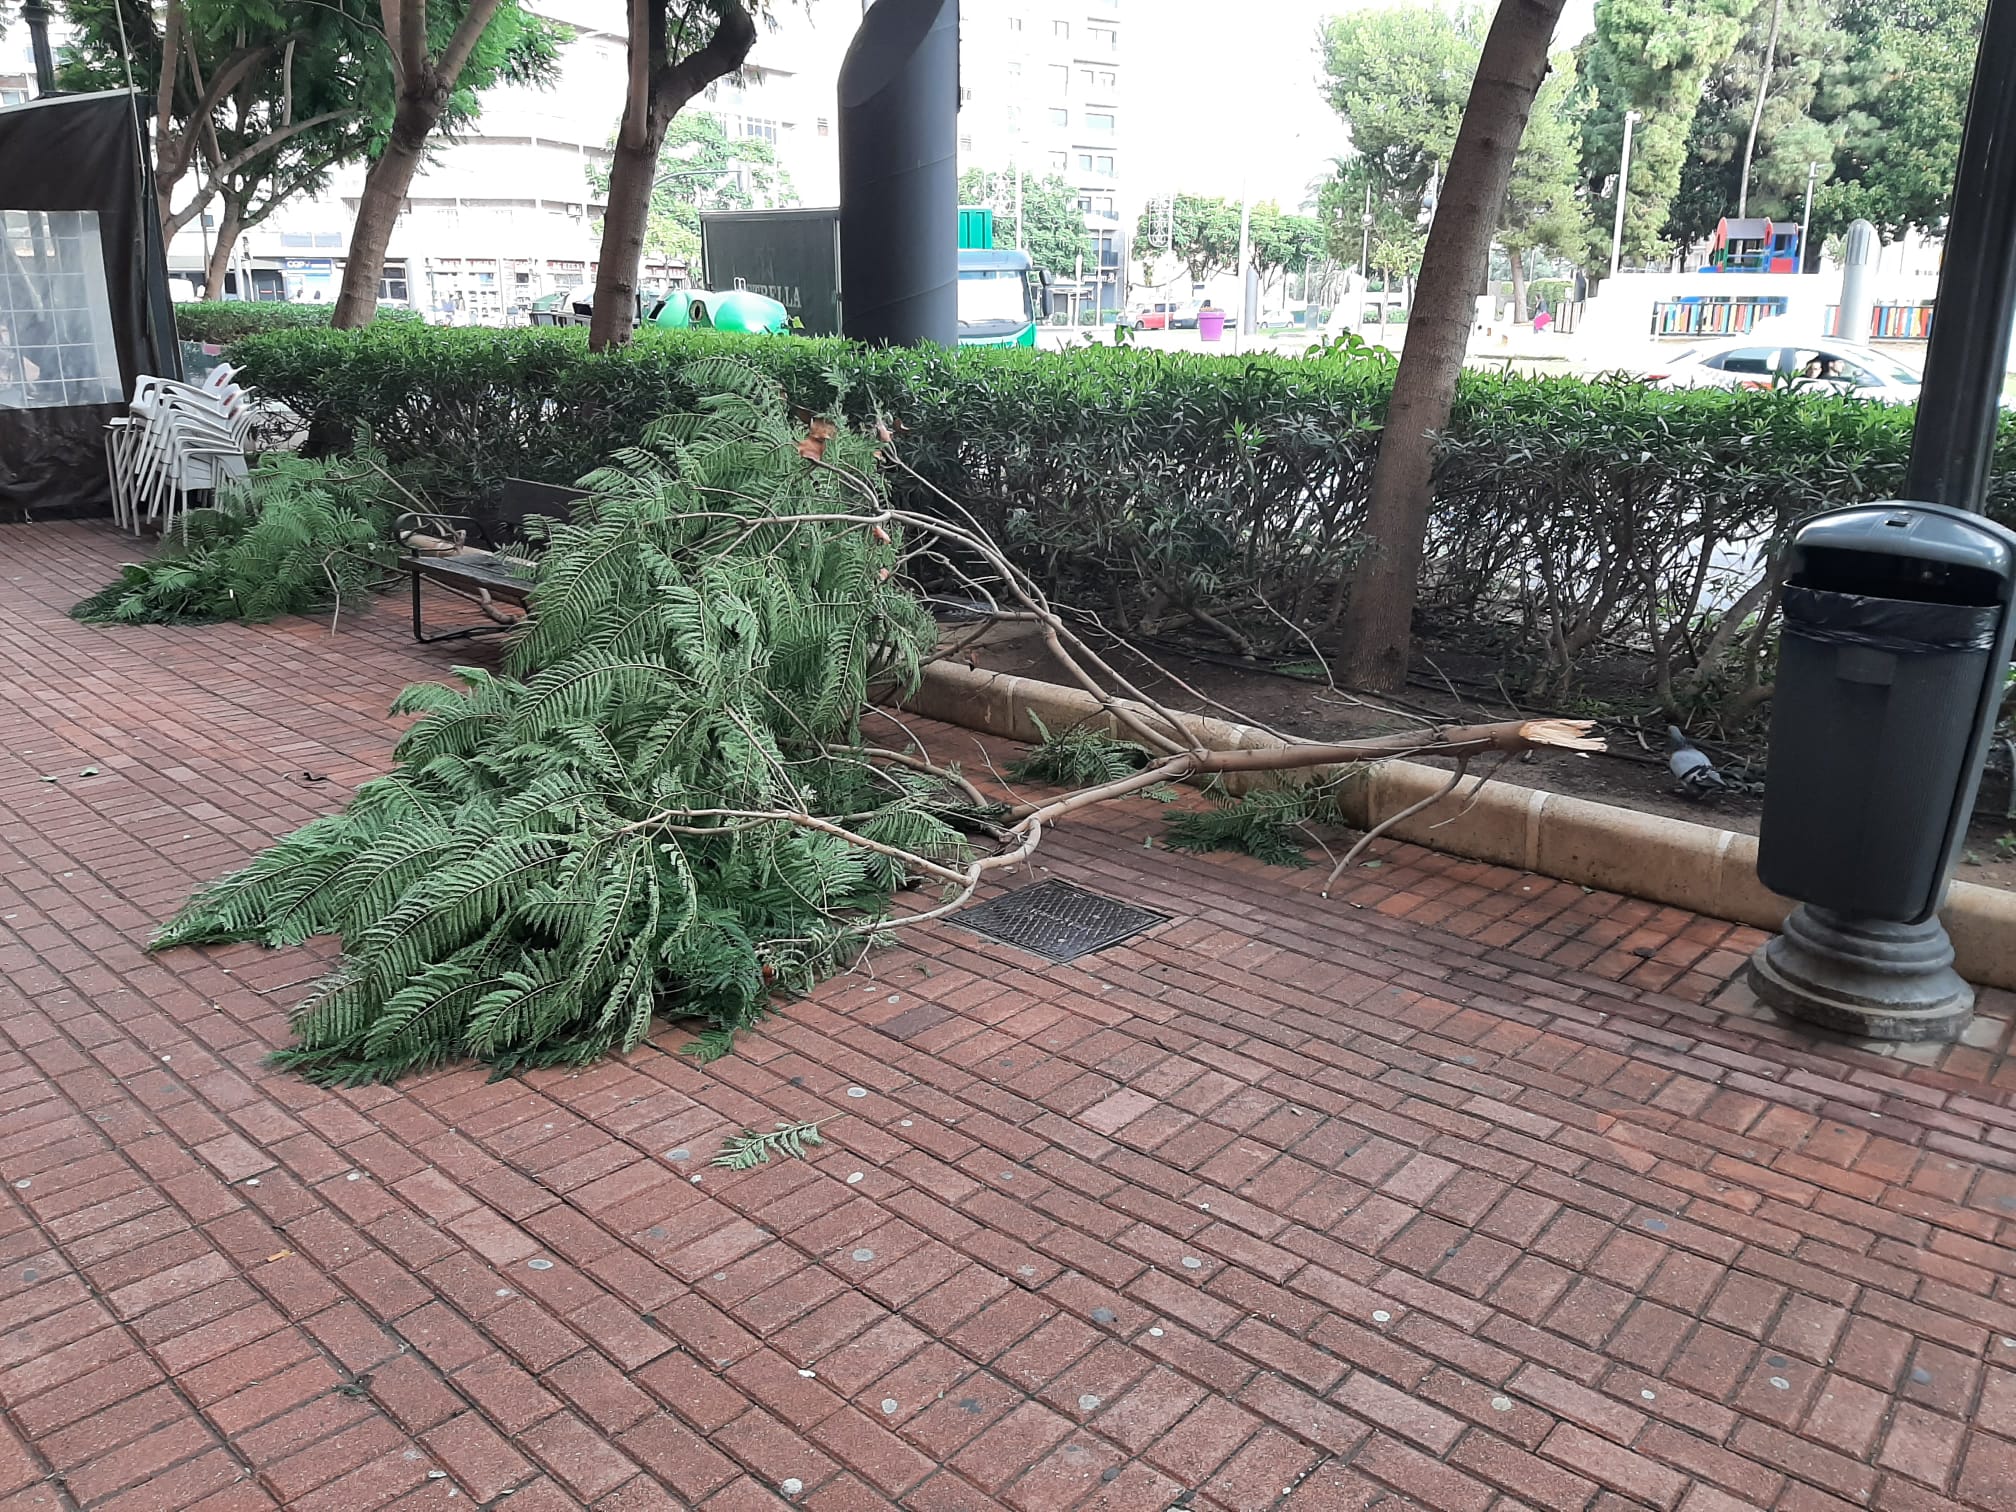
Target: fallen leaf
813,447
88,772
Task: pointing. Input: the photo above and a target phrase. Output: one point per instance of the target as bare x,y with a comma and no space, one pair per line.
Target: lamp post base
1871,978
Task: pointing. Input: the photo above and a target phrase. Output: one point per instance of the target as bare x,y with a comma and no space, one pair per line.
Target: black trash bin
1890,674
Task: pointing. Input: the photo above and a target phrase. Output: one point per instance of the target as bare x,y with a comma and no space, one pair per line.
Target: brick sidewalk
1470,1192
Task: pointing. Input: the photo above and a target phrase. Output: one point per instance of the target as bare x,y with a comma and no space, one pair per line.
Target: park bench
483,556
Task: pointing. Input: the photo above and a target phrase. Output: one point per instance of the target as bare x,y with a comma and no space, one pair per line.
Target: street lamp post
36,14
1365,238
1806,220
1631,119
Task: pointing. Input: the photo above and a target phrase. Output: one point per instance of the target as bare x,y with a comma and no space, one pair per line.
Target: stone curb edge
1693,866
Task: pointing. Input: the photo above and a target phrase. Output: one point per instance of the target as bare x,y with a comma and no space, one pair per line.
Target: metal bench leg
421,635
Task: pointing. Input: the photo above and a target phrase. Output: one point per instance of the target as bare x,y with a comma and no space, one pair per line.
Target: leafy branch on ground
297,535
748,1150
1269,824
1077,755
664,803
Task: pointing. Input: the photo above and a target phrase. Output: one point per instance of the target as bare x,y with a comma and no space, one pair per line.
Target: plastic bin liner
1904,627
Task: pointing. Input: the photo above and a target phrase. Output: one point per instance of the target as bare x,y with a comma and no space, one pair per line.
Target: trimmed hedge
1169,490
223,321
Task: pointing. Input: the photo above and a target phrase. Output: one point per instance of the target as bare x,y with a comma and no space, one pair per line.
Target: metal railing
1712,315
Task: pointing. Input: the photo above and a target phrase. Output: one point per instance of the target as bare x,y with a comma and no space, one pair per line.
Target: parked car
1828,365
1184,316
1152,317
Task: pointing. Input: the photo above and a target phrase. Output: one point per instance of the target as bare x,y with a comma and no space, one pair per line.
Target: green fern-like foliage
297,535
1264,824
531,883
1079,756
748,1150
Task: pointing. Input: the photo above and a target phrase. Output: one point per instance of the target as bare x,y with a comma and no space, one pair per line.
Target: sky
1226,97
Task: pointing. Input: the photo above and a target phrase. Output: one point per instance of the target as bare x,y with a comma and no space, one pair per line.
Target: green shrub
223,321
1216,496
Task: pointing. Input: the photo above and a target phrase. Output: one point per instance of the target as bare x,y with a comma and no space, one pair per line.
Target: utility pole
1806,220
1245,254
1623,188
36,14
1365,238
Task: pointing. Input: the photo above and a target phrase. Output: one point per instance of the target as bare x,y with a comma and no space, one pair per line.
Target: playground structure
1753,244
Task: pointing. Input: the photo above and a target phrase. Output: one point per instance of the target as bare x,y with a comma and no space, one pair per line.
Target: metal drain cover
1057,920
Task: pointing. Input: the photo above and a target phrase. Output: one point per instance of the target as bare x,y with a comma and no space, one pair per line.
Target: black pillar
1883,978
36,14
1953,441
899,175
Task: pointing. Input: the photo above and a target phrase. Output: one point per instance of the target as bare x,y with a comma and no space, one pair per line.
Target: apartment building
1041,92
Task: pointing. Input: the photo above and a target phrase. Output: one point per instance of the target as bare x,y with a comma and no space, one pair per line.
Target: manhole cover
1058,920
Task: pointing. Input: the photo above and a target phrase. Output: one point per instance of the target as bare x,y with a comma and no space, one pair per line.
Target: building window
825,126
13,97
759,127
1015,68
1104,37
1103,204
965,144
1108,79
1084,204
1104,167
1060,117
1060,28
1059,161
1099,120
1015,23
1084,162
392,282
1060,79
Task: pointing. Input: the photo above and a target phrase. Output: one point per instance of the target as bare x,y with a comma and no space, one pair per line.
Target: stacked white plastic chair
177,439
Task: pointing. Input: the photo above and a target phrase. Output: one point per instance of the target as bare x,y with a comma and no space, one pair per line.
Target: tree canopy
703,168
1866,95
1400,79
1203,234
1056,236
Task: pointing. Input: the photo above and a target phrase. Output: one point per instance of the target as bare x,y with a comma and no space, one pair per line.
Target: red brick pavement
1464,1193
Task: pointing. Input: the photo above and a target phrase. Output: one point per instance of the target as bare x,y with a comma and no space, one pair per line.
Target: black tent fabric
84,304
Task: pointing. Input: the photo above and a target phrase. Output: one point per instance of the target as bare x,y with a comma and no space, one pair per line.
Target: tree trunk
1379,618
659,88
378,207
228,229
631,171
1757,115
171,153
1518,261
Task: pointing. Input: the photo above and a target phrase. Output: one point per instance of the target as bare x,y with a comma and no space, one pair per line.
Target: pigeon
1698,778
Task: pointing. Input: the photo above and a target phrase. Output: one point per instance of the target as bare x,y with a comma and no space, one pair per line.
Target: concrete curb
1693,866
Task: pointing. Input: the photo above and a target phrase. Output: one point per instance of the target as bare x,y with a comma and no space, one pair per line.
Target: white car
1750,362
